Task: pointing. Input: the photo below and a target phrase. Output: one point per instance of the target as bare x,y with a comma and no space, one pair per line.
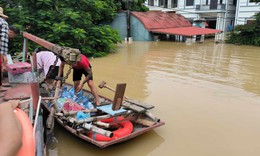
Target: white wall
245,10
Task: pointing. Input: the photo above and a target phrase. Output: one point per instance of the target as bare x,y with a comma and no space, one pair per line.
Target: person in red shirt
80,68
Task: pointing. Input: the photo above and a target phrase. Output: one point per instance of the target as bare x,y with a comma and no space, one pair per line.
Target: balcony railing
204,7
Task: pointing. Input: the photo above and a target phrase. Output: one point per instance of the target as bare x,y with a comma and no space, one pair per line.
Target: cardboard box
26,77
19,67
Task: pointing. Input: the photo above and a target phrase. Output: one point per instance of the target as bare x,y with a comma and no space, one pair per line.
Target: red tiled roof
170,23
161,20
186,31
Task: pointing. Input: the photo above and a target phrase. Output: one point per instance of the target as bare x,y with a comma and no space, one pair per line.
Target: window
234,2
151,2
189,2
161,3
250,22
174,3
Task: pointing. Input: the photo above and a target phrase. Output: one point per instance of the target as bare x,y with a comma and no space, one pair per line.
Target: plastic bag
66,93
70,105
60,103
81,116
72,91
88,105
80,99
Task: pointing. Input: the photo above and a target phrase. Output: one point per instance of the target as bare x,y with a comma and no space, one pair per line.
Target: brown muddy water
208,94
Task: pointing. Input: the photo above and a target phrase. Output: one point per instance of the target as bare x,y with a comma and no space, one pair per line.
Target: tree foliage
68,23
246,34
134,5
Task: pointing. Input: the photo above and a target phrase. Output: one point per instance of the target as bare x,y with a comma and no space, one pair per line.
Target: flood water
208,94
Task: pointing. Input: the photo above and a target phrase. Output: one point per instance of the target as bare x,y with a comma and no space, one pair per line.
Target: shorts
53,73
77,74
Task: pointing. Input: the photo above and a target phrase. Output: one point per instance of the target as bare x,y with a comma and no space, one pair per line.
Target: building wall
138,31
187,11
119,23
223,16
245,10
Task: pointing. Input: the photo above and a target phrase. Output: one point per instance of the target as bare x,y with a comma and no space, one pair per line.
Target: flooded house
218,14
158,25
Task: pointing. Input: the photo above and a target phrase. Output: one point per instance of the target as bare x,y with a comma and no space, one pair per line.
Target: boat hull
137,130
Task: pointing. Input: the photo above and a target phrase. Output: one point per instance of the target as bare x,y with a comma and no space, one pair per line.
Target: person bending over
80,68
45,63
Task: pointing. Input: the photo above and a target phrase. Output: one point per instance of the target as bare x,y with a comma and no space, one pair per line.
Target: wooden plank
108,109
134,107
145,122
19,92
139,103
119,96
71,113
46,44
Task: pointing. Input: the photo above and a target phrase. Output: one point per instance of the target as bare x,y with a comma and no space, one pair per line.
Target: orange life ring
28,142
127,128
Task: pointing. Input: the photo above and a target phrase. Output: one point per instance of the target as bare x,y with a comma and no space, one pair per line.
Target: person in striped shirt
6,33
3,42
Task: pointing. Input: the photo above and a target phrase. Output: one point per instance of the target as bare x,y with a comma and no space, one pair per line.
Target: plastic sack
60,103
81,116
53,92
82,100
66,93
72,92
70,105
88,105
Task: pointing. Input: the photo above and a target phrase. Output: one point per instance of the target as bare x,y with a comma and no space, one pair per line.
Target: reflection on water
219,63
73,146
208,94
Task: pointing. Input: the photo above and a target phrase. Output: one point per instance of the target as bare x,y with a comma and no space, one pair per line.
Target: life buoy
125,129
28,142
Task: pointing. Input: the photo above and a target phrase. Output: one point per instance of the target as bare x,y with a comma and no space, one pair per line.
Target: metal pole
25,49
128,19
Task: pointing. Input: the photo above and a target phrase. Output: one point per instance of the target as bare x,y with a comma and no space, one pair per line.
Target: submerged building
218,14
157,25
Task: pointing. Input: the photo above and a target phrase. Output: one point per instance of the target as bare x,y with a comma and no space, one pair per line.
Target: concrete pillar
220,25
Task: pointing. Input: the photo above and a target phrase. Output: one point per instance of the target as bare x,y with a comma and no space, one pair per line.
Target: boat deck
20,91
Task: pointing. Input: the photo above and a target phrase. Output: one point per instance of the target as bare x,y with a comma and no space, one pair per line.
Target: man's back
45,59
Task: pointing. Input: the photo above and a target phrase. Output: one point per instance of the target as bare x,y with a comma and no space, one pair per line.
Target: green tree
68,23
134,5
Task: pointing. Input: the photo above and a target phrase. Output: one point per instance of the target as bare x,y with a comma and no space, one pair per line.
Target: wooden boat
113,122
96,128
